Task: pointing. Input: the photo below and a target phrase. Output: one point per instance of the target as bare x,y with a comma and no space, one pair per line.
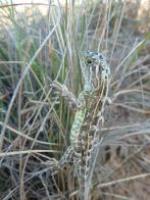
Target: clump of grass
35,123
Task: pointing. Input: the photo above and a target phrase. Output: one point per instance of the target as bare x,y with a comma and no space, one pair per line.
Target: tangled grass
35,123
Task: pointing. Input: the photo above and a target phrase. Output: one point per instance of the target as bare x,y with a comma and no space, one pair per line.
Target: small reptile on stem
88,118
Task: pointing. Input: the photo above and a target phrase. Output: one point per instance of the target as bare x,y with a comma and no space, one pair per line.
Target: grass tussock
35,122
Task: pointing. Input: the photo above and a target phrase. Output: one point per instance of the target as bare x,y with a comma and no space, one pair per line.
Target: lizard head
95,70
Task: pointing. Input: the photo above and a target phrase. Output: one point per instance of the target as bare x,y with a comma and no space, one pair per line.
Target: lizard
89,108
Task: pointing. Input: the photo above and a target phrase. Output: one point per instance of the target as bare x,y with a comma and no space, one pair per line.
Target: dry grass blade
37,49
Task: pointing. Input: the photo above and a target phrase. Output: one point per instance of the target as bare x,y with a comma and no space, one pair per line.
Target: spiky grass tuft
35,123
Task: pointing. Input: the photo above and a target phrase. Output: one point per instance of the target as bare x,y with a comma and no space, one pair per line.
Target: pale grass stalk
116,29
23,135
147,75
30,151
126,91
123,180
46,187
132,108
127,57
11,62
116,196
126,75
